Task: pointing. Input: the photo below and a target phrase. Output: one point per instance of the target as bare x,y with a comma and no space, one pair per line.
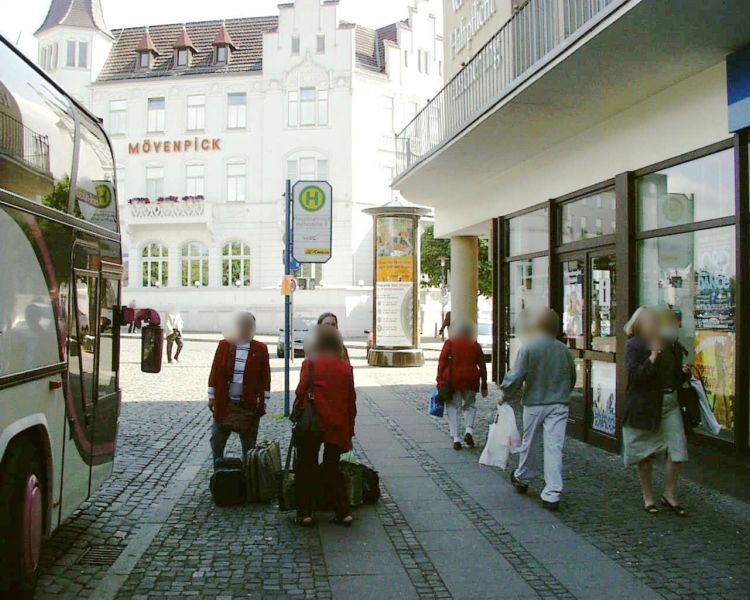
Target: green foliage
434,249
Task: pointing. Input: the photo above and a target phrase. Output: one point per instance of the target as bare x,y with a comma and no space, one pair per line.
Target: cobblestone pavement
444,528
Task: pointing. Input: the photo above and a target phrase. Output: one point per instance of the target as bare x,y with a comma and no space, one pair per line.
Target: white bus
60,273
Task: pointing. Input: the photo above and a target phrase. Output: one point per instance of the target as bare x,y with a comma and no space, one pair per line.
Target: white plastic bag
502,439
708,418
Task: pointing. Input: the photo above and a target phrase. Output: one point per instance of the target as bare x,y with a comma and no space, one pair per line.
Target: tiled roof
75,13
369,47
246,34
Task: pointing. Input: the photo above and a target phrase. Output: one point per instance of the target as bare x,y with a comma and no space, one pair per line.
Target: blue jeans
220,436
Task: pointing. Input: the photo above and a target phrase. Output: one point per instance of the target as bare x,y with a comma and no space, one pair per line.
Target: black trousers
314,481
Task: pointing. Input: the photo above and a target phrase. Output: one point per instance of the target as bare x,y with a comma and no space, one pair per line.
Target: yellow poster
395,250
714,360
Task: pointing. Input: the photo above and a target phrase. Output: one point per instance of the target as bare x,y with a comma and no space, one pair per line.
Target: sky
20,18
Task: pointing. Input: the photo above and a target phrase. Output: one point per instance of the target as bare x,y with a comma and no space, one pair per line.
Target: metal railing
163,212
21,142
526,42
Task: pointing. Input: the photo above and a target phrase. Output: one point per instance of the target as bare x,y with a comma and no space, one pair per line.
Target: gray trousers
543,423
462,402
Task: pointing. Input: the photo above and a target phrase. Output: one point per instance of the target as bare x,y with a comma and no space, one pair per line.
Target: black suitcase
228,487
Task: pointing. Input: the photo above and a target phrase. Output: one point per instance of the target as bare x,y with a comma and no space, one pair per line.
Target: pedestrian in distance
545,375
462,367
329,319
652,419
174,327
326,381
239,387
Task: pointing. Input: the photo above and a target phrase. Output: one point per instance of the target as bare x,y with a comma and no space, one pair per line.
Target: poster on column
395,281
715,362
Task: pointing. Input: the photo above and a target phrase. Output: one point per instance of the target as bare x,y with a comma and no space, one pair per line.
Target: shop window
154,265
196,112
694,274
236,182
694,191
528,285
588,218
237,111
236,264
528,233
603,303
156,115
194,265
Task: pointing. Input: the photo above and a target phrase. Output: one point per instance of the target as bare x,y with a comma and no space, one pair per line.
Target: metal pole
287,299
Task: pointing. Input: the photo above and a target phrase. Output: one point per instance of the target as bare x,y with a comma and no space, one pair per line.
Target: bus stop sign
312,221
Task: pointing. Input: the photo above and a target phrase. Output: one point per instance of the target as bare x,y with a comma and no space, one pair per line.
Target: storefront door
588,310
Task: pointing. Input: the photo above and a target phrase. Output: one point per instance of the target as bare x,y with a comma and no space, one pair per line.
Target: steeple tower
73,44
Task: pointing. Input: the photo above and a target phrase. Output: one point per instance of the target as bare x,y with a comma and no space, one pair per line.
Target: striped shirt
238,375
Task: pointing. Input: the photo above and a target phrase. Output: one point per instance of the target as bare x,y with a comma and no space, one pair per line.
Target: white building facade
209,119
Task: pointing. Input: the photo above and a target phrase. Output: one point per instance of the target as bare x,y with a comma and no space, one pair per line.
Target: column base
395,357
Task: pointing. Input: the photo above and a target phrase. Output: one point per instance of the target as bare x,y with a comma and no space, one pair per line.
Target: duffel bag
228,482
263,464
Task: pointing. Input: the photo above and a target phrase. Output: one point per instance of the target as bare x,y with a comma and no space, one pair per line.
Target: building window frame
156,112
154,265
154,182
237,111
320,43
196,112
236,175
194,265
308,107
118,117
295,45
195,179
235,260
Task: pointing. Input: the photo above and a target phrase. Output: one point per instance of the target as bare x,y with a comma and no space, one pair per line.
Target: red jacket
335,400
462,363
255,383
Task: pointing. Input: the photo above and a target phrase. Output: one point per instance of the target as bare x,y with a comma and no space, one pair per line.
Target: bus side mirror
152,345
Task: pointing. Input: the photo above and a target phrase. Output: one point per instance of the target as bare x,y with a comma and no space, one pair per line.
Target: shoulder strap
311,383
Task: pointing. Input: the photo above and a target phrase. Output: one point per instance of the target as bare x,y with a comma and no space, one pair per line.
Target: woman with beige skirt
652,423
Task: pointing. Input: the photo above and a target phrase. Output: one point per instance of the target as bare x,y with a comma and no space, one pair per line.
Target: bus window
28,338
109,334
95,190
37,129
83,342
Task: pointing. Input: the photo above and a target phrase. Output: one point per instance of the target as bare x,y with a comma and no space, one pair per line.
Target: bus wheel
22,523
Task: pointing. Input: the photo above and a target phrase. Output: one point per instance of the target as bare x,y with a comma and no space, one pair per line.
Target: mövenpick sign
312,221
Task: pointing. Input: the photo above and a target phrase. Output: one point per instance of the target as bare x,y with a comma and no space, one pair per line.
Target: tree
434,249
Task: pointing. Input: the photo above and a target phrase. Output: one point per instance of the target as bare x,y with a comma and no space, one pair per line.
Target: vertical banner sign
395,281
312,226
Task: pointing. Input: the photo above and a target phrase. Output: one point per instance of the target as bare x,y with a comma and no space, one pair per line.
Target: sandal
675,508
304,521
651,509
343,521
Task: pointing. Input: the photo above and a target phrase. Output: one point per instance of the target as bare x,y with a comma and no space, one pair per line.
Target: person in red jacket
239,387
462,365
330,378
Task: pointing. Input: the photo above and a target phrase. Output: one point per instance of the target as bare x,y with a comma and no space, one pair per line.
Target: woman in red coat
239,387
462,365
330,380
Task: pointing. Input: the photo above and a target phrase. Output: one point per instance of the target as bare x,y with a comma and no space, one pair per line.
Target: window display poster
603,378
715,362
714,289
395,282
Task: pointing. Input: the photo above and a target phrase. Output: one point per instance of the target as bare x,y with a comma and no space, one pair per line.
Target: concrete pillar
464,278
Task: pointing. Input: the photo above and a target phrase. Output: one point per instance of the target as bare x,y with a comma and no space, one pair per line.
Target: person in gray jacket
545,373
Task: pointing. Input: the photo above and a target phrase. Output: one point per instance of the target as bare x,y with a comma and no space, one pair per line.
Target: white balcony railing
531,38
164,213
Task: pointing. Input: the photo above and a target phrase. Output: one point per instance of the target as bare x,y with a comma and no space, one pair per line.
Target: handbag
307,427
437,406
690,407
445,391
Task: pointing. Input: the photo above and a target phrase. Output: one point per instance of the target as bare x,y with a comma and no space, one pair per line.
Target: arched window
154,266
236,264
194,264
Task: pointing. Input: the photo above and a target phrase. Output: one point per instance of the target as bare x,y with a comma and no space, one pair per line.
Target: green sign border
322,193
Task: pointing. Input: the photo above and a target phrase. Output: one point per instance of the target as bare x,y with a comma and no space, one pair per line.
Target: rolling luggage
228,486
262,468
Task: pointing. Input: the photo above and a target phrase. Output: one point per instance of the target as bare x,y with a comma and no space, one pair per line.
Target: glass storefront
694,274
681,254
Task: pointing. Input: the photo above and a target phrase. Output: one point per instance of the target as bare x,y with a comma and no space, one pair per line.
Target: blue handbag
437,407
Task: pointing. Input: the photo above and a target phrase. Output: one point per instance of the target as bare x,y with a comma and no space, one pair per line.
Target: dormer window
223,45
145,52
222,54
183,50
144,60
